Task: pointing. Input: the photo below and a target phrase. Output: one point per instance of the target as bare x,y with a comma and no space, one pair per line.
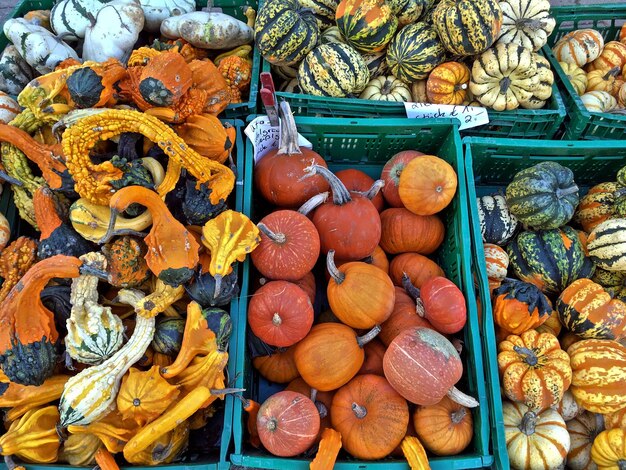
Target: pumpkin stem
275,237
226,391
529,23
321,409
529,421
288,136
373,191
109,233
458,415
560,193
621,464
367,337
461,398
218,285
359,411
272,424
313,394
341,195
530,356
334,272
312,203
612,73
276,320
414,292
386,88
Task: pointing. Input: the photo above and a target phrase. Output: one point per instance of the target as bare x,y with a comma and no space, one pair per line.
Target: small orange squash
613,55
279,367
448,83
419,268
404,316
427,185
403,231
604,80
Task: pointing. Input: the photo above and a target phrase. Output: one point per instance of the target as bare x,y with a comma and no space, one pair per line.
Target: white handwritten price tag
264,137
468,116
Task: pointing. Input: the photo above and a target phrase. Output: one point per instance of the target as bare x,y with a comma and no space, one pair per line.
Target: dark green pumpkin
168,336
621,176
614,282
543,196
332,35
336,70
549,259
30,364
497,224
202,289
85,87
467,27
218,321
324,11
414,52
367,25
285,32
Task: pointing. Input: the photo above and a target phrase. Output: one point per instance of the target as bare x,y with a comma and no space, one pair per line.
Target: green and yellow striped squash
549,259
598,375
543,196
367,25
332,35
376,63
168,336
335,70
467,27
414,52
602,202
324,11
607,245
614,282
285,32
409,11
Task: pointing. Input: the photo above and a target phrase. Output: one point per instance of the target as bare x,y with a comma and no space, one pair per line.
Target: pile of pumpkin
112,339
354,373
472,52
561,324
596,70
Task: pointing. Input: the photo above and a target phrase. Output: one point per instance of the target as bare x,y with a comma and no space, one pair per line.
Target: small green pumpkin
414,52
168,336
543,196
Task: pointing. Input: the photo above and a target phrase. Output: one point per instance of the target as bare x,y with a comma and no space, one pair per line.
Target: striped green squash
607,245
409,11
332,35
367,25
414,52
335,70
376,63
543,196
549,259
614,282
468,27
497,224
324,11
168,336
15,73
285,32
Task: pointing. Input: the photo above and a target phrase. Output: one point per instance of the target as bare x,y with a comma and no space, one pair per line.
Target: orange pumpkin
613,55
404,316
621,94
307,284
322,400
568,338
419,269
445,428
448,83
403,231
604,80
391,175
371,417
279,367
374,353
519,306
379,259
622,34
427,185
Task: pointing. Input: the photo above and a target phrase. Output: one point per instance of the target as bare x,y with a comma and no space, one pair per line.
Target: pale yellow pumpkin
576,76
599,101
604,80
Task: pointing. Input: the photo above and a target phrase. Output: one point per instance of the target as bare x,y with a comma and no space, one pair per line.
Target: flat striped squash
497,224
579,47
333,70
582,431
526,22
613,55
15,73
607,245
598,101
467,27
367,25
614,282
324,11
414,52
598,375
543,91
376,63
285,32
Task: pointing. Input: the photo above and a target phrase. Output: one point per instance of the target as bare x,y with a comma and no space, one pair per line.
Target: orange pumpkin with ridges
403,231
448,83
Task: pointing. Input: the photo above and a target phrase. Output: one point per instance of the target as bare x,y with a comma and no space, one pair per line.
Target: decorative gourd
403,316
168,336
621,95
329,448
349,224
80,449
497,261
357,181
445,428
70,20
285,32
609,449
414,453
543,91
534,440
497,224
427,185
391,175
367,25
467,27
330,355
615,420
376,63
289,247
155,11
576,75
209,30
359,294
324,12
418,91
448,83
9,108
582,431
125,262
156,85
613,282
280,313
386,89
279,367
414,52
534,369
601,203
15,73
408,11
403,231
417,267
552,325
543,196
504,76
549,259
33,437
599,101
288,423
519,306
567,407
423,366
579,47
604,80
598,375
606,245
613,55
526,22
349,76
277,176
167,448
361,409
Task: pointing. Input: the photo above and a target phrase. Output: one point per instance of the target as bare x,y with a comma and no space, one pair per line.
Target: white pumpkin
114,32
15,73
599,101
386,89
582,432
9,108
41,49
567,407
579,47
208,30
70,18
526,22
155,11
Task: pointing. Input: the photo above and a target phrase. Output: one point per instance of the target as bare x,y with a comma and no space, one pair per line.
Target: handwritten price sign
264,137
468,116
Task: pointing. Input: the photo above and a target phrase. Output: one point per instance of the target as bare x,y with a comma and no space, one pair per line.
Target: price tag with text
264,137
468,116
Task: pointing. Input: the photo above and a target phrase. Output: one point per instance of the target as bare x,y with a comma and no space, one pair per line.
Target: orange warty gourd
519,306
427,185
403,231
391,175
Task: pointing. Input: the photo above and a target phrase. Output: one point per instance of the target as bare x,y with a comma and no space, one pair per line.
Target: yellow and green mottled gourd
367,25
614,282
409,11
607,244
324,11
415,52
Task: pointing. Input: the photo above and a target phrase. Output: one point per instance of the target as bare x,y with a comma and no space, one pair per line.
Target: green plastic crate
490,165
367,145
579,123
221,462
520,123
231,7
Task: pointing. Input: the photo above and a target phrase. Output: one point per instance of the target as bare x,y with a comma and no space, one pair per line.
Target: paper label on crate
468,116
264,137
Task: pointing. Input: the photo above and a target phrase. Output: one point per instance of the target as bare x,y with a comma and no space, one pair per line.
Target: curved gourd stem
313,203
155,169
529,421
110,229
359,411
334,272
275,237
529,356
414,292
288,137
621,464
461,398
9,179
458,416
369,336
373,191
614,72
561,193
341,195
